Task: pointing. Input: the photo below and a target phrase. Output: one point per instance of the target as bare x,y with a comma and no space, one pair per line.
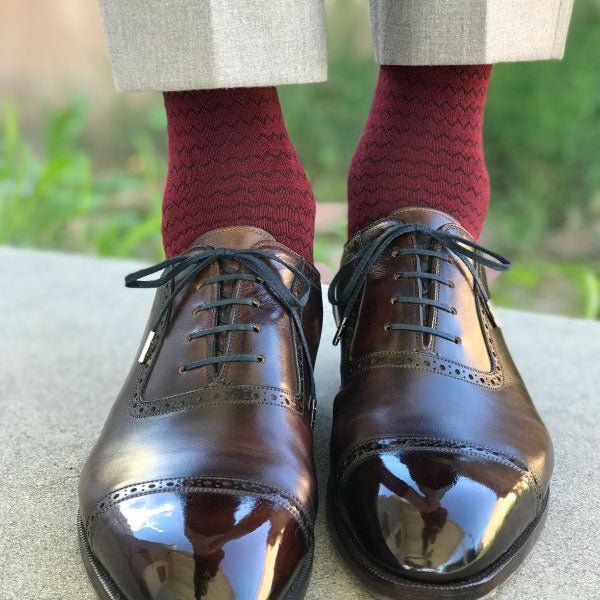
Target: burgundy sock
231,162
422,146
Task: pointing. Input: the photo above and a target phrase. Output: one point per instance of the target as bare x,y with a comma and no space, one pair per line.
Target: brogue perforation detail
366,449
304,516
212,396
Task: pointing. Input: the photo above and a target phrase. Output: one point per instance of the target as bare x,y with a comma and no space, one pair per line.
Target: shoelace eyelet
256,303
181,369
394,253
453,311
454,248
256,328
261,359
393,300
387,327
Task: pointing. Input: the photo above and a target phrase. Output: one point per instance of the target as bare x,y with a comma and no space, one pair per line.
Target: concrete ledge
68,332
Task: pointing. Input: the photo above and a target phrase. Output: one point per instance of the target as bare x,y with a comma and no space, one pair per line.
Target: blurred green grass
65,190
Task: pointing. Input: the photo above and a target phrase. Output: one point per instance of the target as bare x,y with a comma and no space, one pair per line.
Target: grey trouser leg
203,44
453,32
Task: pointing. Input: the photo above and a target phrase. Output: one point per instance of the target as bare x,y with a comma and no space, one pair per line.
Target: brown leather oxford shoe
440,462
202,483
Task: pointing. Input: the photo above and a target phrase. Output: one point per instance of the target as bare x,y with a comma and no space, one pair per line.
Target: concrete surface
68,332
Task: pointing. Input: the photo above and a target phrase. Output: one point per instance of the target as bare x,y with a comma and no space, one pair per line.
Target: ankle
422,146
231,162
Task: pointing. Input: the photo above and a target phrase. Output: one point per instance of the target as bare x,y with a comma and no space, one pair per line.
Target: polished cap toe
186,546
436,516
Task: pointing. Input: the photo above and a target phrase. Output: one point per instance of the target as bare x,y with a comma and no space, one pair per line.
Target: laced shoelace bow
466,250
181,271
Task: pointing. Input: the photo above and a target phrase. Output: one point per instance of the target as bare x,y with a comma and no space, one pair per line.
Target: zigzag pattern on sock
423,146
231,162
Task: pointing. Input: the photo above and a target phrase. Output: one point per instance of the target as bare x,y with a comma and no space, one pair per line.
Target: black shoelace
466,250
181,271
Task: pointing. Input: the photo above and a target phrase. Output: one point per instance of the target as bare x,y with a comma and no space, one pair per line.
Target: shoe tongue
412,214
239,236
424,242
427,216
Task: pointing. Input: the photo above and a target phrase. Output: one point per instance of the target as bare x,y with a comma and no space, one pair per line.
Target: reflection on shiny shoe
198,543
433,515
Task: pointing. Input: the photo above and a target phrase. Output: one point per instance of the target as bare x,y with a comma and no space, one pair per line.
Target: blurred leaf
65,129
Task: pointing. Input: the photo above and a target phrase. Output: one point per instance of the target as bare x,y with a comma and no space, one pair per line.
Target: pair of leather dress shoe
202,483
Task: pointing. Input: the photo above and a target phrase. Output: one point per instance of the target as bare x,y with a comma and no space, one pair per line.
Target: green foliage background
542,145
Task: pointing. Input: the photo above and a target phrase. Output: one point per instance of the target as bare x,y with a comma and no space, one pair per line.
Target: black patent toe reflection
173,546
436,516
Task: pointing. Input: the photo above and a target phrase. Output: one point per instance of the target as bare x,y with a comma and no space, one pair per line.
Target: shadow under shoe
209,545
435,516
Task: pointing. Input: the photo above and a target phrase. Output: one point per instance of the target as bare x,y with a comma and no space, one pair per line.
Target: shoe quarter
469,322
174,349
376,309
